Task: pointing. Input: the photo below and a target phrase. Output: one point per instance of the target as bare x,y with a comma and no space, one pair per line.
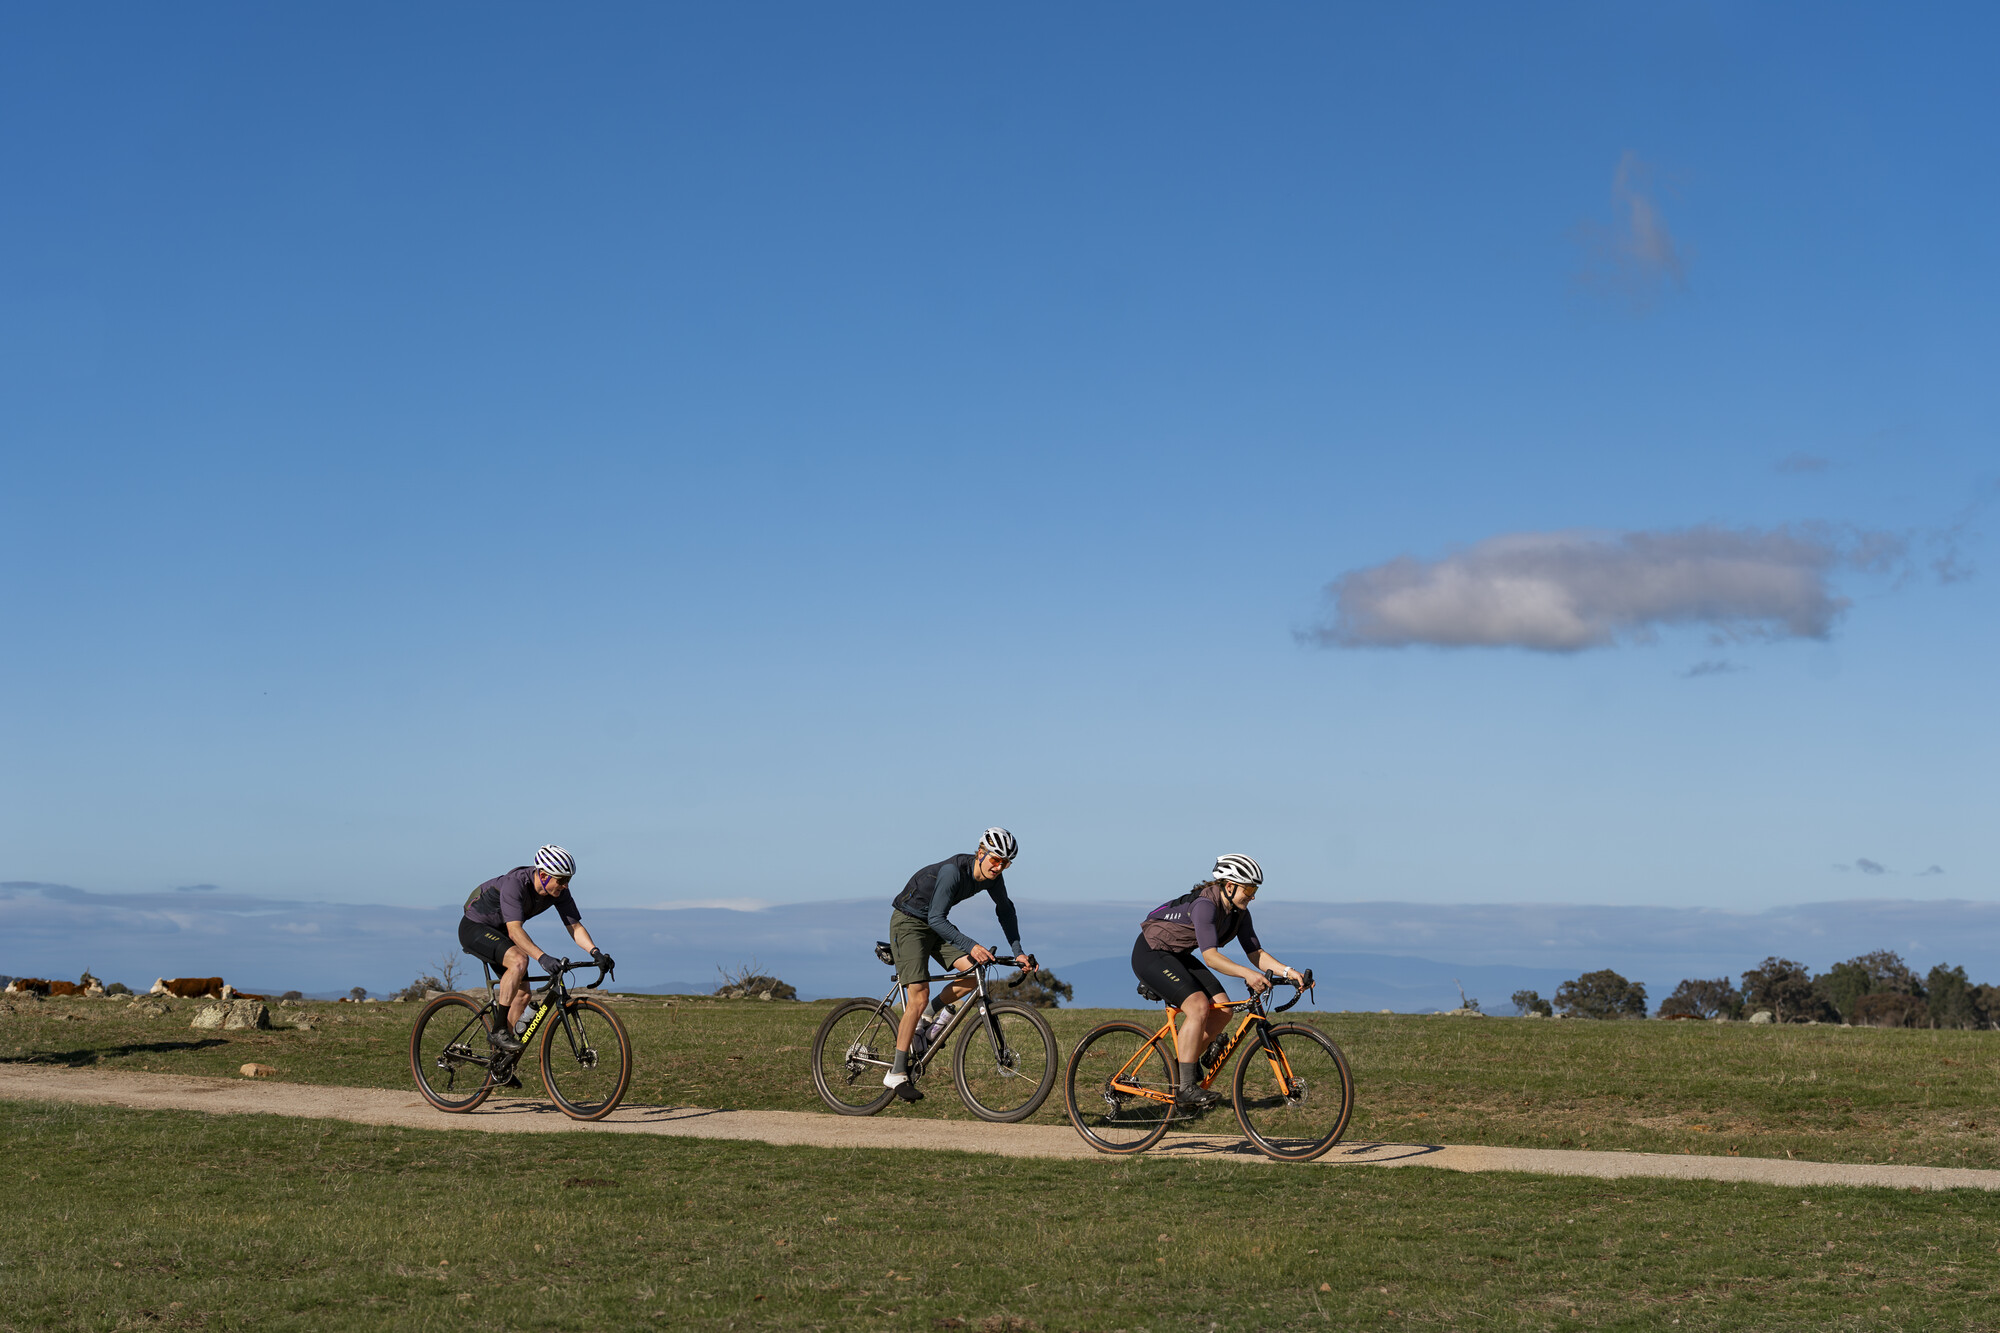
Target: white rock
1534,1013
1763,1016
208,1016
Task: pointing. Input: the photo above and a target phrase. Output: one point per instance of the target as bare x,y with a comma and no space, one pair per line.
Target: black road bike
1003,1063
586,1057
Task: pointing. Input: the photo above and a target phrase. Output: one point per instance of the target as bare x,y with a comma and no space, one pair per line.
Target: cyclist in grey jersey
920,931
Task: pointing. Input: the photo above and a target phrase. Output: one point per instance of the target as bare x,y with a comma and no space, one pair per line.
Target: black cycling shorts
1174,975
483,941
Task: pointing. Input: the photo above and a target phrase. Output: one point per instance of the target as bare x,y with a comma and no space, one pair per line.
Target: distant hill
1401,956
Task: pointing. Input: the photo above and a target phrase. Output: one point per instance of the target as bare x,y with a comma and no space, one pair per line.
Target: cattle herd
185,988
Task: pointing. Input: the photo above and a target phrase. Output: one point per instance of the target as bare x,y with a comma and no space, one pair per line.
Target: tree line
1873,990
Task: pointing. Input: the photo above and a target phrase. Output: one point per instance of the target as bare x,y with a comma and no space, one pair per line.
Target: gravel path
520,1115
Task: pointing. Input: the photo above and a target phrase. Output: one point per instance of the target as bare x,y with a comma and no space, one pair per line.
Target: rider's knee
516,959
1195,1006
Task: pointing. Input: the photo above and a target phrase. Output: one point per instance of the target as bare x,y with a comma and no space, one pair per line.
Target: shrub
415,990
1786,989
118,988
291,995
1602,994
747,983
1531,1002
1986,1005
1890,1009
1039,988
1952,999
1843,984
1695,998
358,994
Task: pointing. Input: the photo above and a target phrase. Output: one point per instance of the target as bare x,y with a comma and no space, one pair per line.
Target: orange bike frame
1280,1066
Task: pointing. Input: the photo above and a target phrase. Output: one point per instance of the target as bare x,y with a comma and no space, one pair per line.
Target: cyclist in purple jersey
1182,940
494,929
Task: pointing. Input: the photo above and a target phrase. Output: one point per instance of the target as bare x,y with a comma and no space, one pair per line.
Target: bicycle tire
1298,1123
851,1051
1114,1122
990,1083
448,1054
587,1043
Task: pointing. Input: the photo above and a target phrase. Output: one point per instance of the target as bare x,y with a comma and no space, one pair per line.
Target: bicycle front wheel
1294,1092
852,1050
1119,1088
1005,1064
449,1055
586,1059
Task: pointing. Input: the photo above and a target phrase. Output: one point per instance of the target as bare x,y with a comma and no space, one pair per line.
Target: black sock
1190,1074
902,1065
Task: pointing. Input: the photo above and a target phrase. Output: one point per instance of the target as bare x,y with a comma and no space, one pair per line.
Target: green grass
124,1219
1818,1093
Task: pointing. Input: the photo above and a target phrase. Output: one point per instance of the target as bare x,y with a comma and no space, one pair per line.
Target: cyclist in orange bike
1178,945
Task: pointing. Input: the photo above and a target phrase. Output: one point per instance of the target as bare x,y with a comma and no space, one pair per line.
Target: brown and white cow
190,988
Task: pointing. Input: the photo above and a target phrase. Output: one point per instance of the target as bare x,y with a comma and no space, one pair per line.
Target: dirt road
376,1106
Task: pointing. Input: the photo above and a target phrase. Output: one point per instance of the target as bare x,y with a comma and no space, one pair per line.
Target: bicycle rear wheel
852,1050
1294,1092
449,1055
1005,1068
586,1059
1118,1088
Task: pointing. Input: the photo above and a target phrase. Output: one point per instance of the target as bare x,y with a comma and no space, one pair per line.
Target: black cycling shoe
908,1091
1197,1099
503,1039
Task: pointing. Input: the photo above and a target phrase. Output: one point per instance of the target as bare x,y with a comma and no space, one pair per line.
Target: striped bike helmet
1238,869
999,842
553,860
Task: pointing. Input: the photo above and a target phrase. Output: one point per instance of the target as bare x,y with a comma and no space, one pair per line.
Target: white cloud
1562,592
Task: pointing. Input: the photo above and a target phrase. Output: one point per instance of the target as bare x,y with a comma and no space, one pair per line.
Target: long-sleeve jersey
933,891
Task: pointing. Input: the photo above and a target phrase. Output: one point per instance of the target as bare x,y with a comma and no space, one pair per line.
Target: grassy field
1819,1093
124,1219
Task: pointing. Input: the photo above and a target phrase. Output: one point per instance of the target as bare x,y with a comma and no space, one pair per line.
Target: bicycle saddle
882,952
1148,993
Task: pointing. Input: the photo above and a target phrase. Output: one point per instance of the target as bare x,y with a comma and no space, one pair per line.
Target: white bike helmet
553,860
999,842
1238,869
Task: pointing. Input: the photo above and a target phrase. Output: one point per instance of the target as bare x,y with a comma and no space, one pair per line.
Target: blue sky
759,447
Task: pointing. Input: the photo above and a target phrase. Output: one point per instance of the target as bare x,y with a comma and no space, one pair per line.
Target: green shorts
913,944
